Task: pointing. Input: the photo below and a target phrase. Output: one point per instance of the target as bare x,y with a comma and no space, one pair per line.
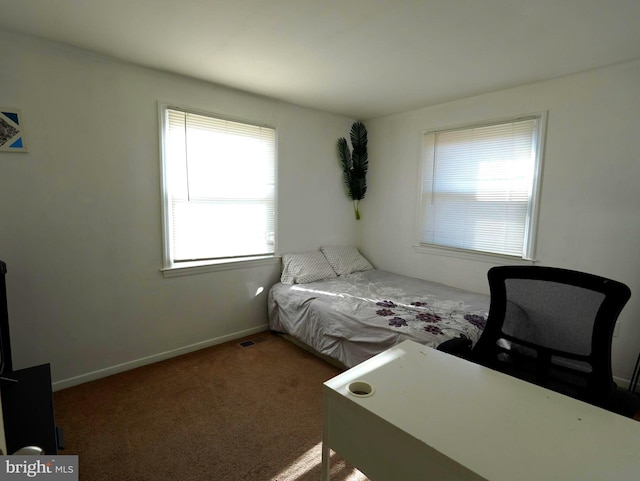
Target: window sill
192,268
471,255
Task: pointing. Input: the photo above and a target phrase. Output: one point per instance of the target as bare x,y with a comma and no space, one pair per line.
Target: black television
6,364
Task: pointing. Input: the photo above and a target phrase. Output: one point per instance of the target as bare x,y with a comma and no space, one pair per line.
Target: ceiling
359,58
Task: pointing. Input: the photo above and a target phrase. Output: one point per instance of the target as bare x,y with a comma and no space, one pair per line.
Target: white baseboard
92,376
622,383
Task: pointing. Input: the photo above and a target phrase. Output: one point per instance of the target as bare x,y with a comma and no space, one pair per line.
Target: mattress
354,317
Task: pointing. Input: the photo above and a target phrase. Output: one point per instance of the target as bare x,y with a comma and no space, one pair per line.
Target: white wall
590,202
80,221
80,216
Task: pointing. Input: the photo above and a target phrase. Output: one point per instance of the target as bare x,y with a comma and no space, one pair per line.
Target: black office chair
553,327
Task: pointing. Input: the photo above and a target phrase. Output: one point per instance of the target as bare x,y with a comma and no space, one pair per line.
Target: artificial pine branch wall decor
355,164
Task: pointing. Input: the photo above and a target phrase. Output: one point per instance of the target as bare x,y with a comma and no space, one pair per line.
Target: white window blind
219,188
479,185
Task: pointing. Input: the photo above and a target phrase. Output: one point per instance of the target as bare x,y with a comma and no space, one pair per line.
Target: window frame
169,267
531,225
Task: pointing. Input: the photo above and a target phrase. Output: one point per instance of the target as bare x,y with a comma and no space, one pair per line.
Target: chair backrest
552,327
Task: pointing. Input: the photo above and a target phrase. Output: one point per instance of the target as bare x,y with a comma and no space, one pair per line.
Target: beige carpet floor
224,413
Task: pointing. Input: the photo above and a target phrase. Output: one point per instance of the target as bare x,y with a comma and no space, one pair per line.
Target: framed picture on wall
12,133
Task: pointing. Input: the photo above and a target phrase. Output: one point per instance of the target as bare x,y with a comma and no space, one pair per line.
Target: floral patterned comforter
352,318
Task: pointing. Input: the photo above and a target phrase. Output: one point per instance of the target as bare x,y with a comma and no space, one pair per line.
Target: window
218,189
479,187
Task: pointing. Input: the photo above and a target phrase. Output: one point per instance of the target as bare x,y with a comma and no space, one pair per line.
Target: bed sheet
352,318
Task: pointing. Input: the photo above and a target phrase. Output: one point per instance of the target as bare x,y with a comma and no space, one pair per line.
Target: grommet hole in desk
360,389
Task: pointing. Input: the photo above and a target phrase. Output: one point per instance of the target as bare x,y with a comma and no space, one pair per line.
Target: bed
352,315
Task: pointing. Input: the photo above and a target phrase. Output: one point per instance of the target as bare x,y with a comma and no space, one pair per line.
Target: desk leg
325,463
325,439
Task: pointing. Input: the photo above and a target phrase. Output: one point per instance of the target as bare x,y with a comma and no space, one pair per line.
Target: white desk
435,416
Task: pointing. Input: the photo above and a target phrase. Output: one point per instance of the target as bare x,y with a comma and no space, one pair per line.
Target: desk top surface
499,427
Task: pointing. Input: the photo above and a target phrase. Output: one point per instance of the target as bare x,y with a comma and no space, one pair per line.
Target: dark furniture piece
5,338
27,409
553,327
27,398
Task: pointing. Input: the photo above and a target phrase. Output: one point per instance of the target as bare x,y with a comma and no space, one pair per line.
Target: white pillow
345,259
303,267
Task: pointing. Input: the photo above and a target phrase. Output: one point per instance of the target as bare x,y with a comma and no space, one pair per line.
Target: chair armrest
460,346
